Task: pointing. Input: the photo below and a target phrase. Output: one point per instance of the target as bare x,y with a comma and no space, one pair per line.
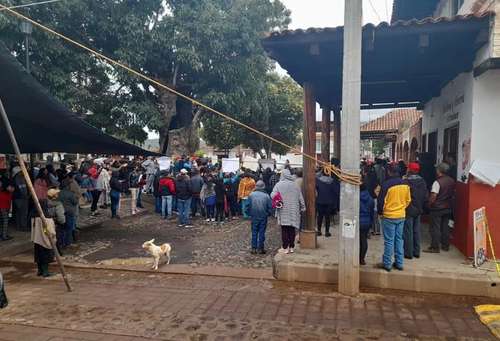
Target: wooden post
27,178
351,104
308,238
325,134
337,133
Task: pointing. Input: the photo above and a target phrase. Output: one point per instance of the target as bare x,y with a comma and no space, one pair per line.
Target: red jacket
5,200
166,186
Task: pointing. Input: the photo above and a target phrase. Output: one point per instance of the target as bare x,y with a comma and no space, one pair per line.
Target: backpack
163,188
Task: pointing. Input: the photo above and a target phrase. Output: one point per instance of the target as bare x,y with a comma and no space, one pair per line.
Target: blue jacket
366,209
259,205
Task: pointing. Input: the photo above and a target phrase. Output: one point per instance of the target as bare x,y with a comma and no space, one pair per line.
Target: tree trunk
185,141
168,107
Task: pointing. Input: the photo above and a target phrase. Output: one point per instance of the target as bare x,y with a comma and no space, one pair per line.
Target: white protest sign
267,164
164,163
230,165
251,163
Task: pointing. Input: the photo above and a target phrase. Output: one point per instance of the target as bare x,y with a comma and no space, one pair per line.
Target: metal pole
13,140
27,43
350,148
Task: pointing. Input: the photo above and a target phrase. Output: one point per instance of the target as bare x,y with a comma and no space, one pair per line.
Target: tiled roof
391,121
399,23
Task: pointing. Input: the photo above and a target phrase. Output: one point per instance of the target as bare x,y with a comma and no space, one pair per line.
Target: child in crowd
366,207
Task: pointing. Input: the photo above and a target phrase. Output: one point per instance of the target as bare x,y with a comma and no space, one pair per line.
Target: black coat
419,196
183,187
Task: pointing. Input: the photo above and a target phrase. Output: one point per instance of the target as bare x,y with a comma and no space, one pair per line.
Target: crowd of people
393,197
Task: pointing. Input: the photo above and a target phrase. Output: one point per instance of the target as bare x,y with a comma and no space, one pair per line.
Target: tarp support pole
38,207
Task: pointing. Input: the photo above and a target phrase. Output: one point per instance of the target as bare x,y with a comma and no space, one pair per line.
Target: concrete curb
416,281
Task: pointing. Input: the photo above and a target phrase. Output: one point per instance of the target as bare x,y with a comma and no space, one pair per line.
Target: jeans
195,203
158,204
166,206
115,201
184,206
324,211
95,199
259,233
440,231
244,208
393,242
139,198
233,207
412,237
210,211
70,228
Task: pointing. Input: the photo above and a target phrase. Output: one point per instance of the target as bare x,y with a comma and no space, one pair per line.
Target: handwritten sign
480,227
164,163
230,165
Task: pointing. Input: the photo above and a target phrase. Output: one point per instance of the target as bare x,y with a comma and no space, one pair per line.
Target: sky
330,13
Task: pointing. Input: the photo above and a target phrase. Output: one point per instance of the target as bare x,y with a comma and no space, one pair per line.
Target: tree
276,111
207,49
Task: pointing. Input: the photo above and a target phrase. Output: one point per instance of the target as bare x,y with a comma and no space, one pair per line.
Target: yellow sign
480,230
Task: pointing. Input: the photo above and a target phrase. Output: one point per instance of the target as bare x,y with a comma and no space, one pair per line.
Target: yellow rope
491,244
354,179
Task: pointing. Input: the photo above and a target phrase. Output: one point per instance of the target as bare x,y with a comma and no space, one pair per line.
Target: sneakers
362,262
319,233
400,268
328,234
283,251
431,250
382,266
188,226
180,225
291,250
207,220
253,252
262,251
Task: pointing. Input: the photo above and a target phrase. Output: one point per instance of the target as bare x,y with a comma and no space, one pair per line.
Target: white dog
157,251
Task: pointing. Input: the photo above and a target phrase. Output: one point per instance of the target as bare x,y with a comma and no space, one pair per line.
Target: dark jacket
196,184
220,191
183,187
419,196
445,197
69,201
166,186
327,191
115,183
259,205
366,210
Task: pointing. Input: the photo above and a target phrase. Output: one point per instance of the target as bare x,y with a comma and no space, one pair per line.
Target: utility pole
351,104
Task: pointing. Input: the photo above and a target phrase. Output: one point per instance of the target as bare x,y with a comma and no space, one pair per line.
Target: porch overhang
404,64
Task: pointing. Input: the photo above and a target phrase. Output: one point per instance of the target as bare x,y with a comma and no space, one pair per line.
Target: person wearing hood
209,198
289,213
419,198
326,195
196,185
114,193
166,191
55,210
246,187
220,200
70,204
259,209
21,199
366,207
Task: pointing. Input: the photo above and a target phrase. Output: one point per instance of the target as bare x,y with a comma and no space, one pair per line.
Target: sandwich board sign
480,230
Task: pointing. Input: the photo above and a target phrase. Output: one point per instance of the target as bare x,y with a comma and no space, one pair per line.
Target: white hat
184,171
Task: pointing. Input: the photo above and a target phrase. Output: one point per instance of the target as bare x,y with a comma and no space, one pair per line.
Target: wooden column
337,132
351,104
325,134
308,239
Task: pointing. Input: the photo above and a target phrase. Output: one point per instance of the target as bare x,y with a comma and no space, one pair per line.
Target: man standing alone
392,202
440,203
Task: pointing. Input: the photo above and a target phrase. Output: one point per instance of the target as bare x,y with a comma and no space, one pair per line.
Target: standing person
326,195
184,195
150,166
289,214
43,252
247,185
259,209
55,210
52,176
419,198
220,200
94,172
114,194
440,204
196,185
156,191
231,196
393,200
21,199
41,184
166,191
70,203
6,191
209,198
102,185
366,207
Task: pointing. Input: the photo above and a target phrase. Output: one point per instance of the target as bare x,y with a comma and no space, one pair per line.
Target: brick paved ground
112,305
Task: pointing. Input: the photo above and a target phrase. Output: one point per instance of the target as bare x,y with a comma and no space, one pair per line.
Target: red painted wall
470,197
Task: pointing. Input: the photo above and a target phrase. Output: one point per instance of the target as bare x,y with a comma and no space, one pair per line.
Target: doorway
450,149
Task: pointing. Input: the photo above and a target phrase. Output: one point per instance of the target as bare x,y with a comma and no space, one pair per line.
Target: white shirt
435,187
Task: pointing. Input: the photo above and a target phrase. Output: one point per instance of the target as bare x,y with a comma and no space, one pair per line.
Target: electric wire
353,179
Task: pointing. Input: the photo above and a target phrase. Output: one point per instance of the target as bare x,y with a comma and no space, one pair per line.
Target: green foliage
378,147
275,109
209,49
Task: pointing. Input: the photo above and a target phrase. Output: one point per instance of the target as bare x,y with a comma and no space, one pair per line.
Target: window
318,146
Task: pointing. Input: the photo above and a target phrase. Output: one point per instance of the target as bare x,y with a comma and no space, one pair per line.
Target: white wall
486,117
454,105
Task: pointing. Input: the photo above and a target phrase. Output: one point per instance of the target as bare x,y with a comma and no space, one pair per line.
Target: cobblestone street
123,305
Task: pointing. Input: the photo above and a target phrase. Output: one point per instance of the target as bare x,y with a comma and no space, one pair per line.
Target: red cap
414,167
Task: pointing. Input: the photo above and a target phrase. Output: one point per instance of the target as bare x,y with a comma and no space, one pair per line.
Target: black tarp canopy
42,124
